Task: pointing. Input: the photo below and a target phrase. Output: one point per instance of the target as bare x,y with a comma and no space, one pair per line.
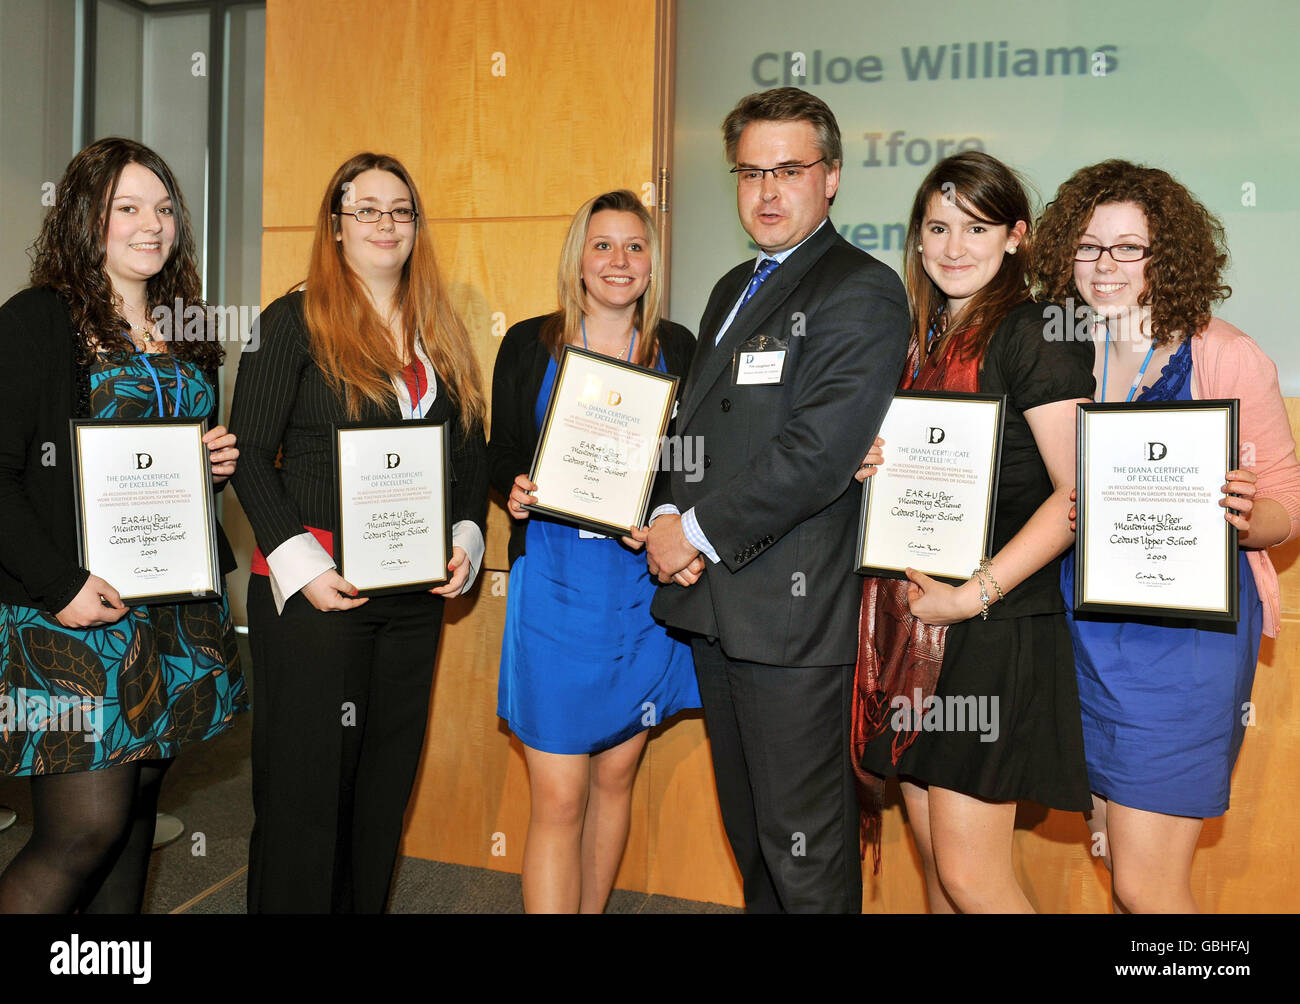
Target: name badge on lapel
759,361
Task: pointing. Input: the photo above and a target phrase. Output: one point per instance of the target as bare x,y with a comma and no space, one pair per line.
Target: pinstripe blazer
284,408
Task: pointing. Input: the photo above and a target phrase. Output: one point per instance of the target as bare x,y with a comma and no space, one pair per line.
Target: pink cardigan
1227,363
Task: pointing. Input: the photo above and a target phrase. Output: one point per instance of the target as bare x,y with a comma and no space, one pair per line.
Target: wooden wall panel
339,80
689,855
502,161
561,96
471,796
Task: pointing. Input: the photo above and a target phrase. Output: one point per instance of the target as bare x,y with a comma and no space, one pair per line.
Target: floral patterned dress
74,699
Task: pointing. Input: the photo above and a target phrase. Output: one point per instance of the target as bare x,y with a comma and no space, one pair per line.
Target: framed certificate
146,522
930,506
392,481
1152,540
598,451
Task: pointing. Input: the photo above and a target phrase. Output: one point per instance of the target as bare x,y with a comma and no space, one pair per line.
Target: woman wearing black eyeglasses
341,690
1165,702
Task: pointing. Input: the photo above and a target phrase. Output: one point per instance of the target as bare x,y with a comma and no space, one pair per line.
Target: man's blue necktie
765,268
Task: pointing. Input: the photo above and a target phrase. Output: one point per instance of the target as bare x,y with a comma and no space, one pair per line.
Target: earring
919,249
1011,250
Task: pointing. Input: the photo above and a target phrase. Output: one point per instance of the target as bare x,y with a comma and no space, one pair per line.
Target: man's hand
690,575
668,552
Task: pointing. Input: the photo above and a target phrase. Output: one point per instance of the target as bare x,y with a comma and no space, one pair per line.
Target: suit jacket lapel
713,317
711,362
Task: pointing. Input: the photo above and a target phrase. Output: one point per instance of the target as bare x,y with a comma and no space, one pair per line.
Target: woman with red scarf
1001,637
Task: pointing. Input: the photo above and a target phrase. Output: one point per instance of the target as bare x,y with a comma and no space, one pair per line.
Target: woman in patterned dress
97,697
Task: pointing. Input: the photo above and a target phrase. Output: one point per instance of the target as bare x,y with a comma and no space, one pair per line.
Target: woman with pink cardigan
1165,702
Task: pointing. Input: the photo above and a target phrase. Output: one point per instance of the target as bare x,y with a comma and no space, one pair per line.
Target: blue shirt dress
583,665
1164,701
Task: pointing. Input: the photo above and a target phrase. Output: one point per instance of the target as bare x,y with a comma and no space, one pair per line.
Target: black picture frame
583,520
209,587
338,433
865,567
1085,593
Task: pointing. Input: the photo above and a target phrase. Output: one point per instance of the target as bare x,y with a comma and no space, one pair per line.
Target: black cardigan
285,408
517,380
38,387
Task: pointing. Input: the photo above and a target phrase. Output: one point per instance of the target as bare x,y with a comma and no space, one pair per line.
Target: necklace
630,343
147,331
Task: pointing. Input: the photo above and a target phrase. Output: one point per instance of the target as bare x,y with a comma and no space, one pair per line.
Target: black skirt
1004,722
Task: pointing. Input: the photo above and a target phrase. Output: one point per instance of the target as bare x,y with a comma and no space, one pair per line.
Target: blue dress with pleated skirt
1164,701
584,666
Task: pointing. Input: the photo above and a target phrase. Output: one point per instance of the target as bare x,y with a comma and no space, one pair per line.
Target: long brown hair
994,194
69,256
1188,250
352,344
563,327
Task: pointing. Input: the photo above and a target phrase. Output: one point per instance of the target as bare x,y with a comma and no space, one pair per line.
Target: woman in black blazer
341,689
585,671
120,689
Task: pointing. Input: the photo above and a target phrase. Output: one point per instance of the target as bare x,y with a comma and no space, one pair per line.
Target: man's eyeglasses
1117,252
787,174
400,215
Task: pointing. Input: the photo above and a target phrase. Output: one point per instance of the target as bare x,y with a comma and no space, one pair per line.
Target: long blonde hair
563,327
351,343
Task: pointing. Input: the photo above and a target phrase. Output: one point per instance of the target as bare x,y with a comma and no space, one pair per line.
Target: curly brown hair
69,256
1188,250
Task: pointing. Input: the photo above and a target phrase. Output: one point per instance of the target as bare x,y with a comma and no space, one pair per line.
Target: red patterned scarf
897,654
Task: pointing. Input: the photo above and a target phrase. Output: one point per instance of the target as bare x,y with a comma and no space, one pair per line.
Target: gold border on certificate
205,578
988,416
613,381
393,432
1102,591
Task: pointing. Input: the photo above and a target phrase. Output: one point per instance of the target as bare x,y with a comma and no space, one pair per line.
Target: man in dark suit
799,354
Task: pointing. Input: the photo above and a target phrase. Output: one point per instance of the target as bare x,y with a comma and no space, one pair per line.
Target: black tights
92,832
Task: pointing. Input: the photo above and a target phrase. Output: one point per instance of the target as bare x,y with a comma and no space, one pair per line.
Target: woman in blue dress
110,693
1165,702
585,671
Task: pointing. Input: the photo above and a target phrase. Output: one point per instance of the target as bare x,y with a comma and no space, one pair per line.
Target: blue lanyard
162,407
1105,369
631,341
